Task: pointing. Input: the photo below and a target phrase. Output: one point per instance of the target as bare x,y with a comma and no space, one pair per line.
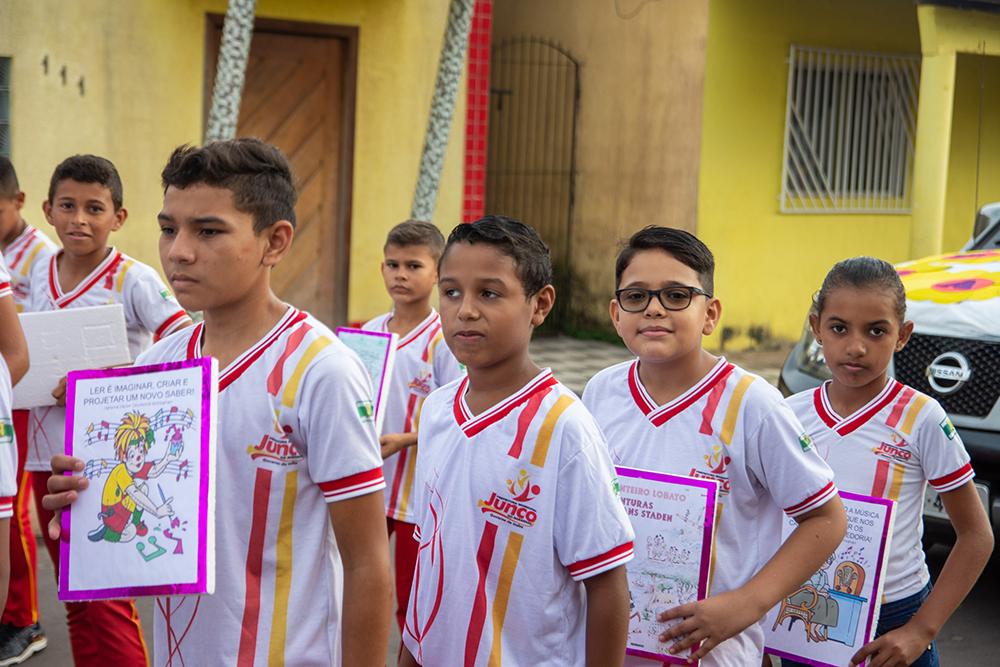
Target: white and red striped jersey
890,448
29,248
295,433
8,448
731,427
423,363
151,311
515,507
5,286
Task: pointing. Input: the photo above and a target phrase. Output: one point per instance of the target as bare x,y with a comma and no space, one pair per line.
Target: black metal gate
534,94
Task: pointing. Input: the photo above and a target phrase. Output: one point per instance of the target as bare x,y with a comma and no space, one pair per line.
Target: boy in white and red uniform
302,575
516,501
85,206
423,363
12,350
23,246
681,410
8,469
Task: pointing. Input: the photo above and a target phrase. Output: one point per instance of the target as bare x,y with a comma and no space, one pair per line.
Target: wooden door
295,97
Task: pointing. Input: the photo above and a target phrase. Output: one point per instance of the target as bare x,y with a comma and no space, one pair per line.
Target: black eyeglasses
675,297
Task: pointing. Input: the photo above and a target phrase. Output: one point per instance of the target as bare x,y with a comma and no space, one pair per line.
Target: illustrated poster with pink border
829,618
377,351
146,523
674,521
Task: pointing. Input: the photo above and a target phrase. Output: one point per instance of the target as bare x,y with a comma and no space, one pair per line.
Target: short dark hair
417,232
684,246
255,172
88,169
514,239
9,187
863,273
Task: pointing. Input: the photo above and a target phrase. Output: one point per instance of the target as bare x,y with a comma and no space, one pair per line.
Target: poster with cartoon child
145,525
835,612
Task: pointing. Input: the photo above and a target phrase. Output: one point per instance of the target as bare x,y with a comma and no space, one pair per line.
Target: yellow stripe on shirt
283,573
898,470
26,267
545,432
733,410
510,557
292,387
911,414
121,275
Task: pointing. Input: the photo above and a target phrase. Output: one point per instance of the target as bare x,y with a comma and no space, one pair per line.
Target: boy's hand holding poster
146,524
674,521
835,613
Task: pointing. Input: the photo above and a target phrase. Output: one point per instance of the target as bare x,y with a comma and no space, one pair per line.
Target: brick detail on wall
477,112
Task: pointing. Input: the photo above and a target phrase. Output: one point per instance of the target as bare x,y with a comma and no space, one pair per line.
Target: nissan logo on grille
948,372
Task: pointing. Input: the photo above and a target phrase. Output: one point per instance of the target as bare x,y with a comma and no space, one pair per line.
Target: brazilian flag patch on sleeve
948,428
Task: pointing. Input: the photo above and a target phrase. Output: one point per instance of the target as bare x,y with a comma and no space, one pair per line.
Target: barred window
850,123
5,107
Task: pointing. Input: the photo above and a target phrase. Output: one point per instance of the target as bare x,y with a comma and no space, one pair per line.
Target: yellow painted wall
143,65
769,263
638,128
973,161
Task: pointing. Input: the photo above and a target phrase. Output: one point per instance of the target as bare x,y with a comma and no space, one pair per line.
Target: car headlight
810,360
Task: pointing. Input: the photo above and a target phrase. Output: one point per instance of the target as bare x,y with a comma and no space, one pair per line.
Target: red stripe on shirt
276,377
25,242
952,476
254,565
415,335
345,484
234,374
397,480
168,324
660,418
425,355
478,424
66,299
897,409
854,423
478,619
820,406
460,416
524,421
636,390
582,567
192,346
811,499
710,407
411,405
881,476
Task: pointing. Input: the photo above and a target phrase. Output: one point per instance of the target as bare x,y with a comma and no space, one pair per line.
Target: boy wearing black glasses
679,409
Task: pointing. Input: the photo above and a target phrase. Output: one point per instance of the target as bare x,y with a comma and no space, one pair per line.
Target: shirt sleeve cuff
6,508
172,324
353,486
818,499
584,569
953,480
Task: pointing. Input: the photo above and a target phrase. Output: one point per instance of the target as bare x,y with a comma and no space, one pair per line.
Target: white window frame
850,127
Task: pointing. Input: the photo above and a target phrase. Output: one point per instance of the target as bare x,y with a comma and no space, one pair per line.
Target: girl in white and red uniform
882,438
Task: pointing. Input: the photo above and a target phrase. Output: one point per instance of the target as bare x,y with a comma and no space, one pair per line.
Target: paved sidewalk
575,361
